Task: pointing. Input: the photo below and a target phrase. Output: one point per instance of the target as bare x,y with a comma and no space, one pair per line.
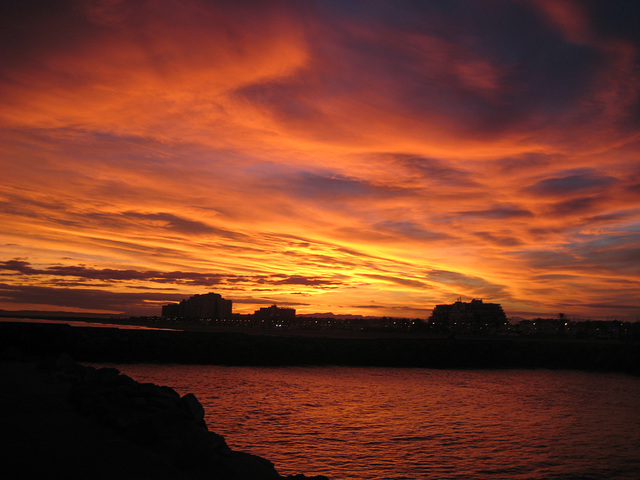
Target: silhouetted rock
192,406
158,419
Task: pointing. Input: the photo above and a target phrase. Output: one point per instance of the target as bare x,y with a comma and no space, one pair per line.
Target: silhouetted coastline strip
228,348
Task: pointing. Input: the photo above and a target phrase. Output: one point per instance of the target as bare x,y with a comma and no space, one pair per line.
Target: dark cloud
575,206
319,259
580,181
173,222
613,217
633,189
175,277
407,282
318,186
480,70
18,266
328,187
525,162
63,212
555,277
615,19
498,212
541,233
31,31
502,240
114,275
473,285
89,299
268,301
24,206
613,306
434,170
313,244
301,280
607,253
163,221
409,230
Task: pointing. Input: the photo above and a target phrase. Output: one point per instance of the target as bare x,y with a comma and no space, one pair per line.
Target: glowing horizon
370,158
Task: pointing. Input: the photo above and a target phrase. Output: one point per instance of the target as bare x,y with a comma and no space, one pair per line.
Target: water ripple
373,423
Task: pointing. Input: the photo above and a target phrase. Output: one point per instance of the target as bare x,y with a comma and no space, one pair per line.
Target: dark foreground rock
144,430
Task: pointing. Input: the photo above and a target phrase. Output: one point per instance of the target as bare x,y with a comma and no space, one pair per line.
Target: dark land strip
237,348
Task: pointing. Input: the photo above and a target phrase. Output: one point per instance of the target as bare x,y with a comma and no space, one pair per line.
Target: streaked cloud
572,182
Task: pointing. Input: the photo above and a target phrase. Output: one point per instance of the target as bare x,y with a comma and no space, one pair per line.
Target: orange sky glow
372,158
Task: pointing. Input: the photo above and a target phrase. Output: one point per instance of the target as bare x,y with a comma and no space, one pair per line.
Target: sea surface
79,323
390,423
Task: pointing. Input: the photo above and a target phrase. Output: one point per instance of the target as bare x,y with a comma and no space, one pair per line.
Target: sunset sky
362,157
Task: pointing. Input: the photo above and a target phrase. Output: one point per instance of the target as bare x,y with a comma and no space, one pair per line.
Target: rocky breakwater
158,419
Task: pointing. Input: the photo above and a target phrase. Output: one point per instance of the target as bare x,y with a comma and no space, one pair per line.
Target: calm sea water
387,423
79,323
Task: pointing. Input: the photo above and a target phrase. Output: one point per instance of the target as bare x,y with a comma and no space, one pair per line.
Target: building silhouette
468,317
274,315
208,306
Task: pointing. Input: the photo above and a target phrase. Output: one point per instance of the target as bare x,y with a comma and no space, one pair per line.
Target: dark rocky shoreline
157,418
142,417
234,348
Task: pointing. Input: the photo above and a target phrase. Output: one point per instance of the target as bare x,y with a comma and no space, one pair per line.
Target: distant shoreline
144,324
215,346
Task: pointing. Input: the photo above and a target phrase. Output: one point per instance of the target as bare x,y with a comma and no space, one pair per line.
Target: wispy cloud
572,182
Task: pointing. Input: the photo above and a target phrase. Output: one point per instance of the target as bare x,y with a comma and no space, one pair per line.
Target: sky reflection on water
372,423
